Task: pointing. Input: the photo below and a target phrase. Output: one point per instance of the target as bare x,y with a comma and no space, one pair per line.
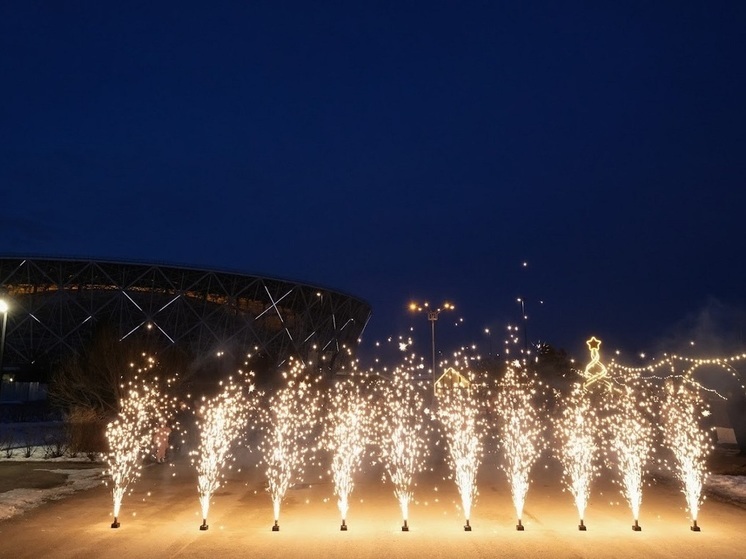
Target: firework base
636,527
582,527
405,527
343,527
467,527
115,524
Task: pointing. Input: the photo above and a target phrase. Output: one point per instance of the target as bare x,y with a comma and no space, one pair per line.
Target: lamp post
524,318
432,316
4,310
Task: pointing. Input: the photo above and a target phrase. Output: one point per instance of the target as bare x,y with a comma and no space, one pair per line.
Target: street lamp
524,318
432,316
4,310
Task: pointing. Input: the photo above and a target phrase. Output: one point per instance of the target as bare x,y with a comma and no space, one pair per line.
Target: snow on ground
725,487
17,501
731,488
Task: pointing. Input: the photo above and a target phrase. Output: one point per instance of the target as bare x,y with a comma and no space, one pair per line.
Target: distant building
54,304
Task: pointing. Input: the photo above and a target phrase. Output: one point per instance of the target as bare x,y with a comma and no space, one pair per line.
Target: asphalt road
161,518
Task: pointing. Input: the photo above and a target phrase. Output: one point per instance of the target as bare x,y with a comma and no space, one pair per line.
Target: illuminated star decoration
595,371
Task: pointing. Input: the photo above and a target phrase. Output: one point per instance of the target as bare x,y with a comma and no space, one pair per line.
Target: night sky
398,150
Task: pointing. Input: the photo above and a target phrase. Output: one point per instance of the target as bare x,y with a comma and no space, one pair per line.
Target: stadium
54,305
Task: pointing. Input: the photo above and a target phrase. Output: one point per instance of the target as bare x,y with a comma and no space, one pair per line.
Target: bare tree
88,386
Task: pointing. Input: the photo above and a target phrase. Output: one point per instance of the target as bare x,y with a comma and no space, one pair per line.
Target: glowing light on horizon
223,419
521,431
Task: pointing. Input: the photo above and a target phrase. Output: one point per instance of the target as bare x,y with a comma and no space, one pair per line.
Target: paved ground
161,519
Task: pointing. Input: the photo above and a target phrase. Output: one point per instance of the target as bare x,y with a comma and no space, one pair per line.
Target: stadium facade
55,303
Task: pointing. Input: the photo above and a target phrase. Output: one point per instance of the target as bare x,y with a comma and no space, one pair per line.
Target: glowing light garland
347,434
130,434
460,412
682,411
521,431
290,420
402,436
679,366
223,420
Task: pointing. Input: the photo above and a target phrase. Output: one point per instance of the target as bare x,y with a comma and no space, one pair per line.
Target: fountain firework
521,431
347,434
631,435
577,450
291,417
460,412
682,410
223,419
141,410
402,436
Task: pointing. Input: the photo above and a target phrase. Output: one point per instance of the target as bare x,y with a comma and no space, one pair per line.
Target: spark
402,437
521,431
223,420
141,410
289,423
578,449
631,435
459,410
346,436
682,410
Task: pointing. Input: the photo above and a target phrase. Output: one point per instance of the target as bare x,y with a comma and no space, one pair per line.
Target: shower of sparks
347,433
130,436
461,414
578,449
521,430
290,420
682,411
402,437
631,437
222,420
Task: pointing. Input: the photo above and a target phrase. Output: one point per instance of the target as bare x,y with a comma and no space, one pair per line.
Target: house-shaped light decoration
451,378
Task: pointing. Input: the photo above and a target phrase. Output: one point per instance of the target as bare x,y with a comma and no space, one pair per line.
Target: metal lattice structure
56,302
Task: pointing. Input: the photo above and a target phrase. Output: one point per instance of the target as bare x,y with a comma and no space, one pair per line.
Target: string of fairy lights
612,418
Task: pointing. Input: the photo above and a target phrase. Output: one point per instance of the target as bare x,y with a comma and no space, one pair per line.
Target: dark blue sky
395,150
